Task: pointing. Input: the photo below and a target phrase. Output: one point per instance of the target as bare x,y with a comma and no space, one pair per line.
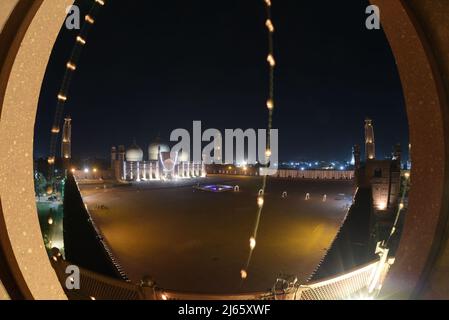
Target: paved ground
195,241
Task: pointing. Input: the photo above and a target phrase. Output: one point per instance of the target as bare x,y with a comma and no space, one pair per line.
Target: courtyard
191,240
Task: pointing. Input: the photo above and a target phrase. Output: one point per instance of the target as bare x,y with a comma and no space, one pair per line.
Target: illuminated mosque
129,164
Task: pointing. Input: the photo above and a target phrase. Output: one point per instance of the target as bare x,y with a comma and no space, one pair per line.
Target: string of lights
401,207
270,106
71,67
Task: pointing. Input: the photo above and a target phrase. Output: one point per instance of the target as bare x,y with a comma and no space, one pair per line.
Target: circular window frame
27,39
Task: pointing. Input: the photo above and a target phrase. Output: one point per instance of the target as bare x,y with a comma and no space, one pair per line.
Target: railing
352,285
94,286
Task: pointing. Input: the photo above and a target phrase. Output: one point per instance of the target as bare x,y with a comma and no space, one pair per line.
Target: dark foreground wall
83,246
354,245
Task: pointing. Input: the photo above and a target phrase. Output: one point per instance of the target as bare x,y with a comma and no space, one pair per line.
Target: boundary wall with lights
316,174
291,173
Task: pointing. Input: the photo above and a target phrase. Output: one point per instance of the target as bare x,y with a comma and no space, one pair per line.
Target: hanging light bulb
89,19
71,66
270,25
80,40
252,243
260,201
271,60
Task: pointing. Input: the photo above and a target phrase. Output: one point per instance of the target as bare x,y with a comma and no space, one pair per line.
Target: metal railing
351,285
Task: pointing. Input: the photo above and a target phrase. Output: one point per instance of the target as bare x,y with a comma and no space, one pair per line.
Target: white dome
134,153
155,148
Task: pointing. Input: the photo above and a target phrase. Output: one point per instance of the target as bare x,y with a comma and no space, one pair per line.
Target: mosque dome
134,153
155,148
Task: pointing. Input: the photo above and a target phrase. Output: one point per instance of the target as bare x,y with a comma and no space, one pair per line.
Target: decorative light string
71,67
270,106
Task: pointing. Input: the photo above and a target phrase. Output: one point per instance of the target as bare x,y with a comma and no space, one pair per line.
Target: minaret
397,154
121,159
409,162
370,147
113,157
121,153
66,143
356,155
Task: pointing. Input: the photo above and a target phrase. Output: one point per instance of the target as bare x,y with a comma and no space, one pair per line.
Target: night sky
153,66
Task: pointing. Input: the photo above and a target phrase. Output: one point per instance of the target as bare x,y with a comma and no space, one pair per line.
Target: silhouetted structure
372,213
82,243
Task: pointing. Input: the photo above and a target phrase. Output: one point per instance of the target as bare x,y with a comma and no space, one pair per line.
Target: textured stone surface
6,7
433,19
427,114
16,164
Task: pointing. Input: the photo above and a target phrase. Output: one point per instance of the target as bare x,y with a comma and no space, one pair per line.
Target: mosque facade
130,164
